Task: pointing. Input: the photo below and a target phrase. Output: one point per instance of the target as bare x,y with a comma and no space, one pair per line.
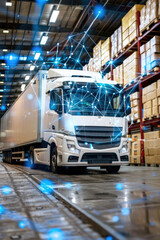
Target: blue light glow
152,223
1,209
125,211
153,174
11,59
55,234
68,185
110,62
115,219
6,190
119,186
41,2
3,108
22,224
99,11
46,186
109,238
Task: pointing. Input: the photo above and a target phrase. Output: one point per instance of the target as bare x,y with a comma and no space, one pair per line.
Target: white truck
68,118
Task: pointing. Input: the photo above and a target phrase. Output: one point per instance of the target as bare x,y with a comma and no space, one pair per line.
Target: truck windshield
93,99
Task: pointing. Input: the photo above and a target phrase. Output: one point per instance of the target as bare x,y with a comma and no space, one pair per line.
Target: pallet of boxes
150,14
135,149
150,56
135,107
152,148
151,101
97,56
130,25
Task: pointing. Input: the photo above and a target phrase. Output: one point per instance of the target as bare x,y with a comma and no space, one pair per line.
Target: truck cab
85,121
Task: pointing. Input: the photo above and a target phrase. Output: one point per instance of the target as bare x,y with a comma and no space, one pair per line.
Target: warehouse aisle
128,202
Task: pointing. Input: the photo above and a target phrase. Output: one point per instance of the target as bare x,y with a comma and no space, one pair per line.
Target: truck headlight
71,147
124,148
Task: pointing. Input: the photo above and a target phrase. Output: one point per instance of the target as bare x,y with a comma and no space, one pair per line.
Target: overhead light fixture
1,82
23,87
5,31
54,16
44,40
37,55
1,90
5,50
27,78
3,64
8,3
32,67
2,75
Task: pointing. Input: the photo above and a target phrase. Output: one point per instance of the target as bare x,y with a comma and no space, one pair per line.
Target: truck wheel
53,161
31,158
112,169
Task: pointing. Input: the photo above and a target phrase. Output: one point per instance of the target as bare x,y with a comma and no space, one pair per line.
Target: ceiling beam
64,2
43,28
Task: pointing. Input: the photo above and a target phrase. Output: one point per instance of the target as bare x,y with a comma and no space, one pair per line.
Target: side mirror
56,100
127,105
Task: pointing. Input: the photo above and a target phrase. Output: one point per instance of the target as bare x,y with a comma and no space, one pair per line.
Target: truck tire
7,157
31,158
53,160
112,169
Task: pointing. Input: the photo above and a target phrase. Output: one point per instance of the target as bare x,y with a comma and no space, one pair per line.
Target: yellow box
135,103
154,102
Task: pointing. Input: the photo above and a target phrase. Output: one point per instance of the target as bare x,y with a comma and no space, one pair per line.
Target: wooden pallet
152,165
146,28
129,44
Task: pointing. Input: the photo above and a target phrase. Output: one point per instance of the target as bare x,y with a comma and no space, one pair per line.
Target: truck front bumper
91,157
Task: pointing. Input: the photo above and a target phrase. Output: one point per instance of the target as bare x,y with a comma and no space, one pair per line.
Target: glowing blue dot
110,62
3,108
68,185
115,219
11,59
109,238
152,223
119,186
6,190
77,60
153,174
151,196
125,211
55,234
86,143
83,46
22,224
99,11
30,96
1,209
46,186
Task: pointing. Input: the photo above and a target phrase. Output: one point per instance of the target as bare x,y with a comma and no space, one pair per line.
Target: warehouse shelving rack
153,29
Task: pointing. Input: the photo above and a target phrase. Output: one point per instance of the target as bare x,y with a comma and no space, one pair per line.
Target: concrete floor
128,201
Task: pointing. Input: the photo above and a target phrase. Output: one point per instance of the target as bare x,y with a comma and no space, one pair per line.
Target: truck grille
93,158
98,137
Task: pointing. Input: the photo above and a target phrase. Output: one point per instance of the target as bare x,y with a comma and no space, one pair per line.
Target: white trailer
68,118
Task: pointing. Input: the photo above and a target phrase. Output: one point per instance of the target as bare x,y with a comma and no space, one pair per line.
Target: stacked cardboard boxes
150,101
116,42
151,147
149,13
135,111
118,74
129,25
131,68
150,55
85,67
97,55
107,76
135,148
158,95
91,65
106,51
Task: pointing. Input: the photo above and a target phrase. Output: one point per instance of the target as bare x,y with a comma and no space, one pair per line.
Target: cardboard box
158,92
155,110
136,159
136,137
